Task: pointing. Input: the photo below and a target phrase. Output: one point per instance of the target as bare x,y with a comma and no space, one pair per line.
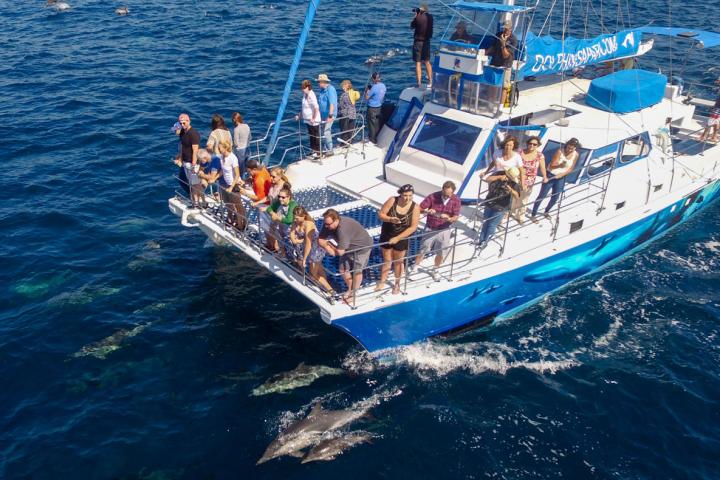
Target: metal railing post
452,254
405,272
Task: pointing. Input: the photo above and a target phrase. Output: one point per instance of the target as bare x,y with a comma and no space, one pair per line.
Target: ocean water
130,347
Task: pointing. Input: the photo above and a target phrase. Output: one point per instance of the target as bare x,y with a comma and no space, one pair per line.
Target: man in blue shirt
375,95
328,102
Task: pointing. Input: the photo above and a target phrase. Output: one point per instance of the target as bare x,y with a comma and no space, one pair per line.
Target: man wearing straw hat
328,102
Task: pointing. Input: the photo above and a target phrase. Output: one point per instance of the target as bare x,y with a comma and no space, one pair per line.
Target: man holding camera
502,52
422,23
375,95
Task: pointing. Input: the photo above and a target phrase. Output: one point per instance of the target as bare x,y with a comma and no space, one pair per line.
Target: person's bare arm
383,213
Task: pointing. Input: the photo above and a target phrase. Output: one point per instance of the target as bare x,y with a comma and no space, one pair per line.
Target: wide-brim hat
323,78
424,7
513,174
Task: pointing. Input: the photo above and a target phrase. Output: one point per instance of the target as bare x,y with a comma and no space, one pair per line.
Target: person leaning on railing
442,209
307,252
344,237
210,169
502,188
281,216
230,183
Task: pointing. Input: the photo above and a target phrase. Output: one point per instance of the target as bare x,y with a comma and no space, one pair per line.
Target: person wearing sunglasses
281,216
563,162
307,252
347,239
400,216
532,159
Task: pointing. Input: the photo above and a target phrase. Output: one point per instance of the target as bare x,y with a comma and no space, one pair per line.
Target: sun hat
323,78
513,174
424,7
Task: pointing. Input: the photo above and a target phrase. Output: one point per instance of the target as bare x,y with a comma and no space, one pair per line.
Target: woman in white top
561,165
311,115
241,139
219,132
229,183
507,158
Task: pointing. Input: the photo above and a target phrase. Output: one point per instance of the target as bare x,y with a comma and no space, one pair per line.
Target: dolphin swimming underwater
107,345
309,431
301,376
330,448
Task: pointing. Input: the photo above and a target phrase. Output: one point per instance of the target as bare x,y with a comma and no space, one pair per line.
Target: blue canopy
626,91
490,7
706,39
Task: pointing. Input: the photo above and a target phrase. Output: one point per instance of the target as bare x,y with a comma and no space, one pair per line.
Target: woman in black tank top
400,216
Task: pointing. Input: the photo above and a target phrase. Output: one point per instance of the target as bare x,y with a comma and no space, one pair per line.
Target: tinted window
635,147
398,115
602,159
445,138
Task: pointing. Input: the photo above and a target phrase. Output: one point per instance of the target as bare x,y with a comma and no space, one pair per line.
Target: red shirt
435,201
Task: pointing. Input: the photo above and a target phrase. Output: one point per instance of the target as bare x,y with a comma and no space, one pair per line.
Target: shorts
356,260
400,246
193,178
507,72
713,120
437,242
421,51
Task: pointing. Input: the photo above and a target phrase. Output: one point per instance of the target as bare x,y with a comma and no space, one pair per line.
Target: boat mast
309,16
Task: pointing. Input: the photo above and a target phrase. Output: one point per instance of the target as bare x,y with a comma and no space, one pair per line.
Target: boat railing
294,141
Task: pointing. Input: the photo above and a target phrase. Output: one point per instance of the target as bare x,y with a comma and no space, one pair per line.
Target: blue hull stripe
409,322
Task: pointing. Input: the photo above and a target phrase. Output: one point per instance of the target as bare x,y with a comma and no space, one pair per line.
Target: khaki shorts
437,243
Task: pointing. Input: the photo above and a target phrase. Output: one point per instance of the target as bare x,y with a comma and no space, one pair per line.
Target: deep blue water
617,376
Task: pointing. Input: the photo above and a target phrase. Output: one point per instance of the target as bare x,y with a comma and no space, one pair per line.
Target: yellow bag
354,95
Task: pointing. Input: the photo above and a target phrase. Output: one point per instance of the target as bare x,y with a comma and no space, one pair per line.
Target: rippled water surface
130,347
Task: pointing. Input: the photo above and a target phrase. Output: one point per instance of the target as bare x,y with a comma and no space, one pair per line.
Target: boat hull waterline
410,322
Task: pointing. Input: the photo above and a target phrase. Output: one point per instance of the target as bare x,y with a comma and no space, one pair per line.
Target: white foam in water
431,359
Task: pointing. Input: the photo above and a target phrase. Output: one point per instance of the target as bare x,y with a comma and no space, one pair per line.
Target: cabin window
480,98
446,89
575,226
635,147
602,159
542,117
657,188
619,205
398,115
445,138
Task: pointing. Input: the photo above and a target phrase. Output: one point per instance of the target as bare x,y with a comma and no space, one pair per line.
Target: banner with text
546,55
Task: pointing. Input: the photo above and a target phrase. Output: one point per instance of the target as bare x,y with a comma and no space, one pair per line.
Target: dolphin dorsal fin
316,409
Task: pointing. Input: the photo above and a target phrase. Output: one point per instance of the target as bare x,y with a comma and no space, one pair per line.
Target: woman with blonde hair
347,111
304,235
279,181
230,182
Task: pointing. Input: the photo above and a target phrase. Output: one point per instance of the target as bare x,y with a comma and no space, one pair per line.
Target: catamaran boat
641,170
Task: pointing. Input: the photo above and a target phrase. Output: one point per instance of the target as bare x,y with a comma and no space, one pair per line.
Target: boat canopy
626,91
547,55
490,7
704,38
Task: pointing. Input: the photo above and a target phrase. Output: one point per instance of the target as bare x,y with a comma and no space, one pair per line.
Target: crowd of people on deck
289,229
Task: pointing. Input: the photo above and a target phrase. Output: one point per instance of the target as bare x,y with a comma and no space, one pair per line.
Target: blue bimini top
626,91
